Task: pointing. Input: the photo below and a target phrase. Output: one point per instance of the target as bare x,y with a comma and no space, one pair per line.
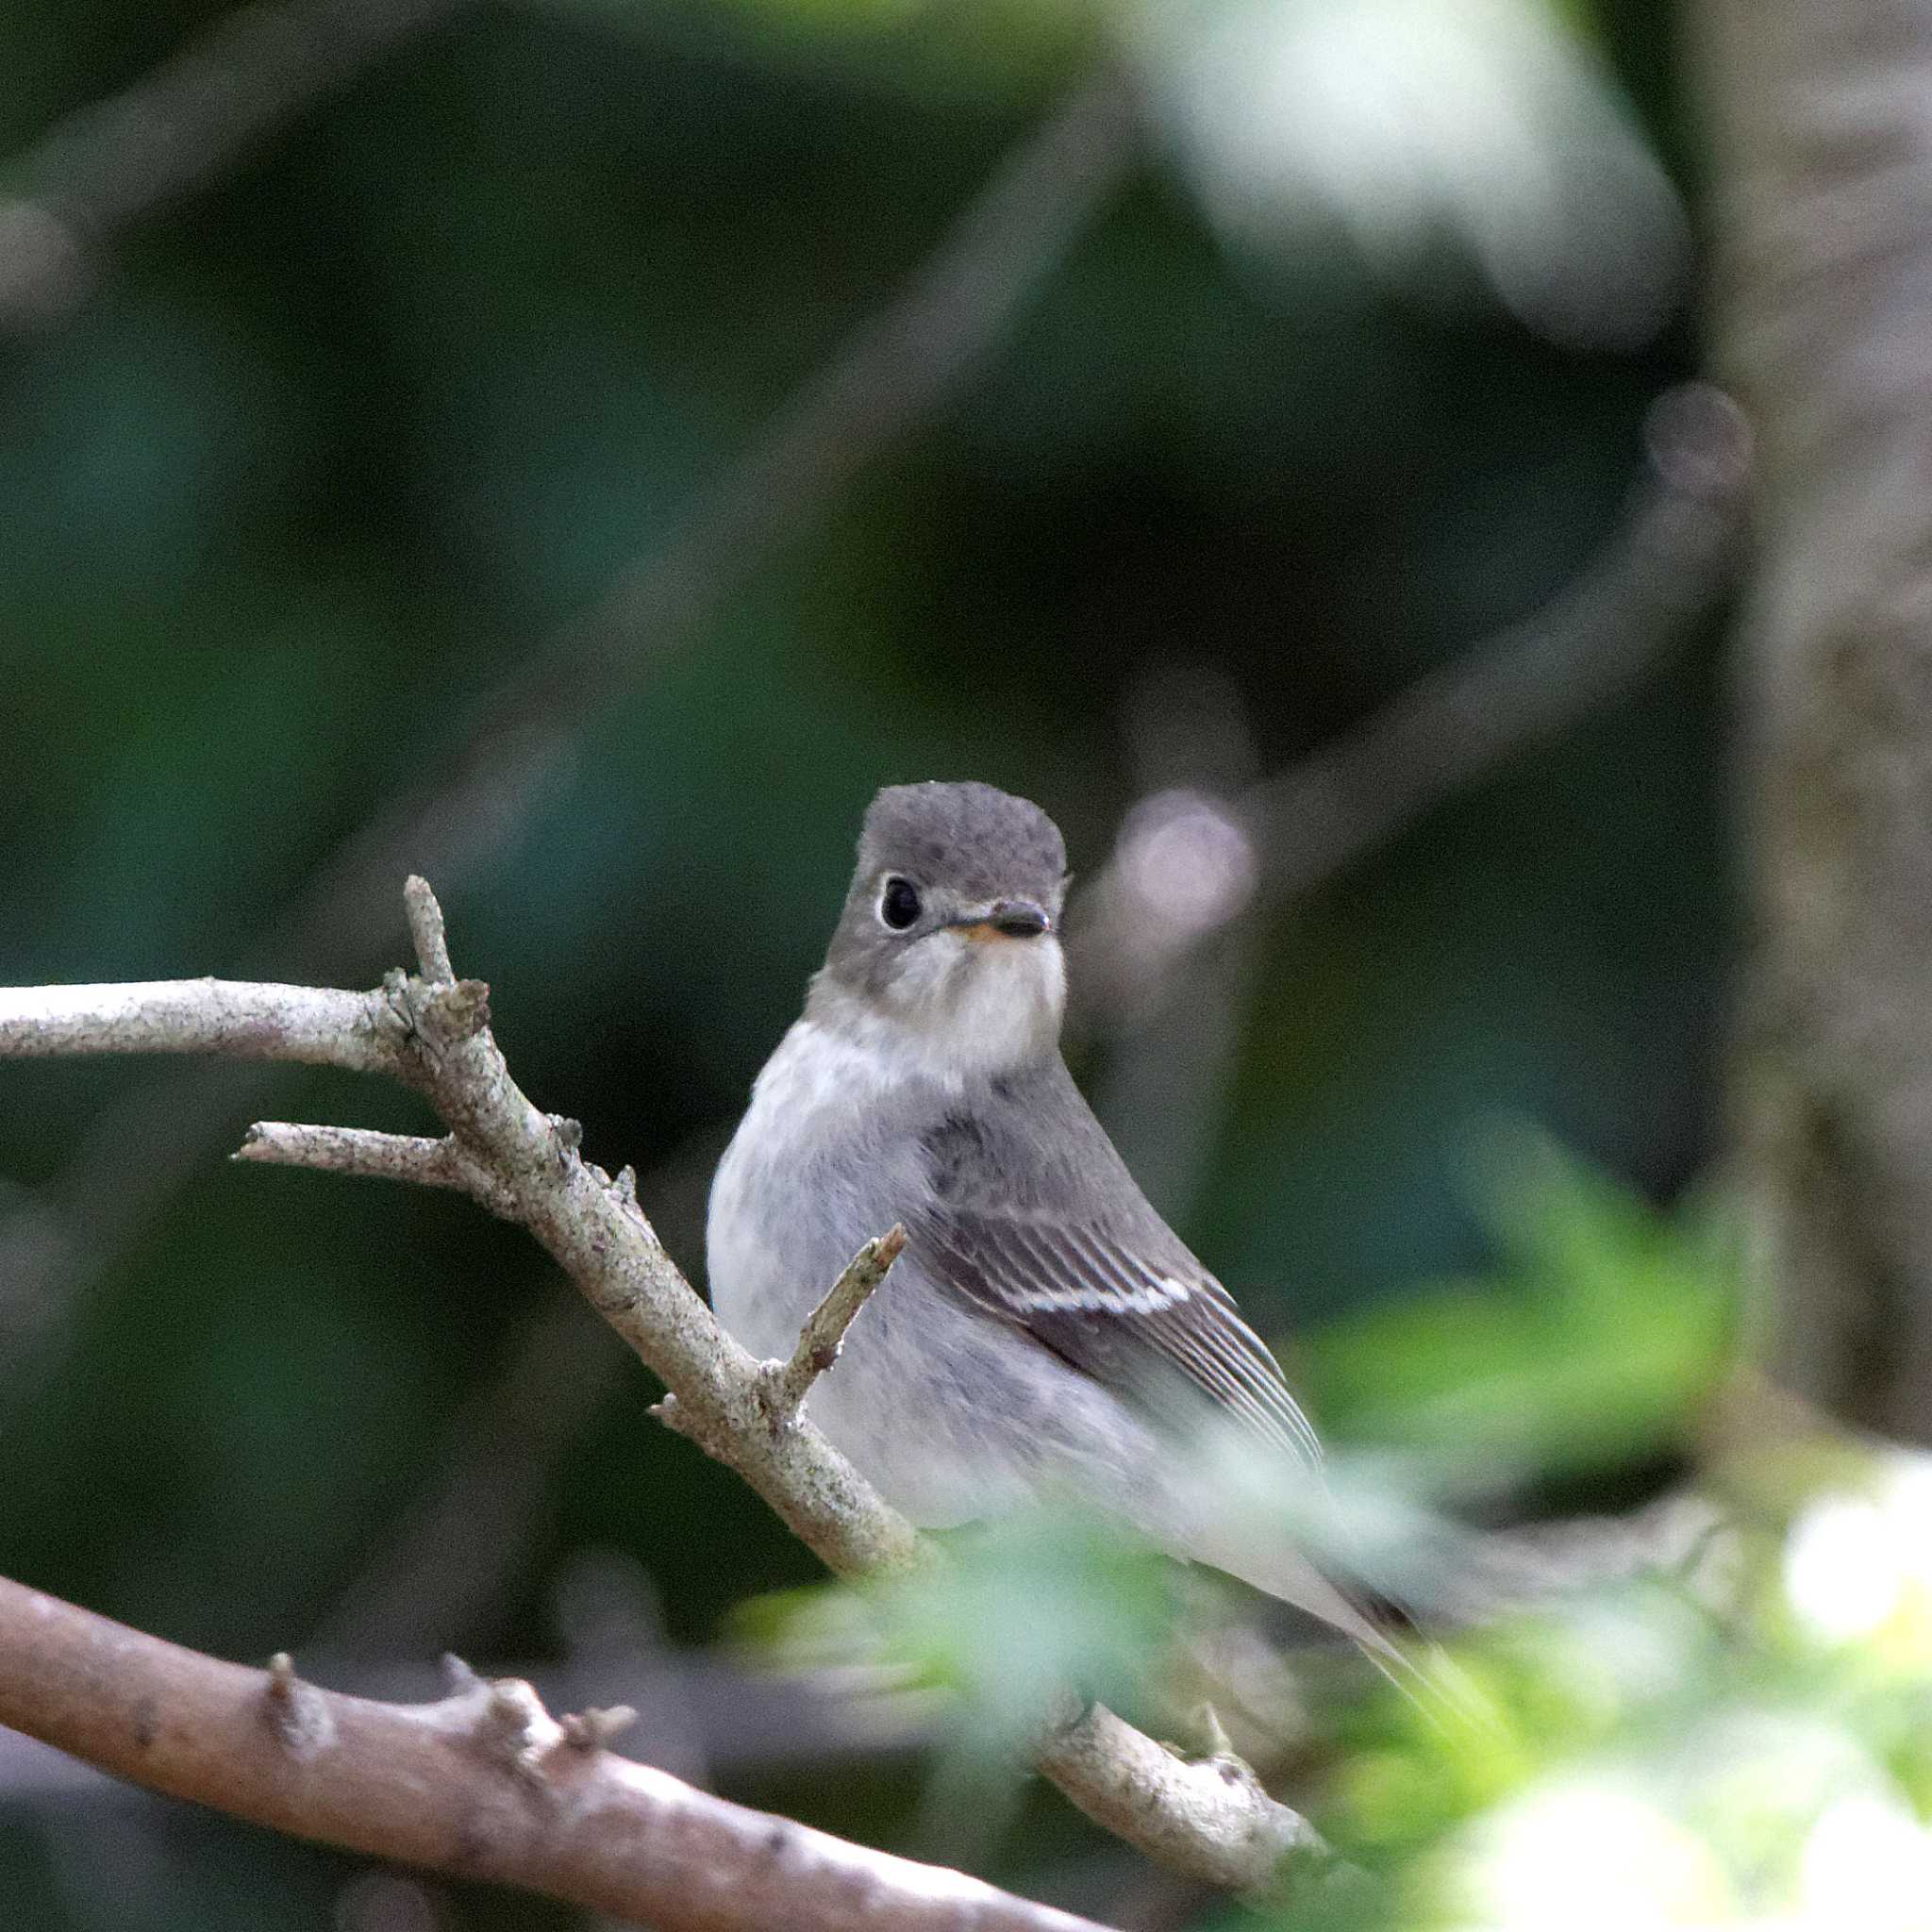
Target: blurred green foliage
1735,1741
335,443
1599,1340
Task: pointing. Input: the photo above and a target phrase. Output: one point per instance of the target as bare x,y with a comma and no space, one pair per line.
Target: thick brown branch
484,1785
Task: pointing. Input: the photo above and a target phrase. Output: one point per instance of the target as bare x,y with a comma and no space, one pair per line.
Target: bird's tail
1422,1672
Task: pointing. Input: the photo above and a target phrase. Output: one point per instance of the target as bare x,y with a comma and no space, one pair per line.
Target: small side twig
429,1161
595,1729
298,1712
427,932
785,1385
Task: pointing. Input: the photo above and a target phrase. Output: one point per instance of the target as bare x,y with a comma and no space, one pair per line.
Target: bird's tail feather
1424,1674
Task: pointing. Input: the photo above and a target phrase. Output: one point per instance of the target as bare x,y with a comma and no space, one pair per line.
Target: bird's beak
1007,919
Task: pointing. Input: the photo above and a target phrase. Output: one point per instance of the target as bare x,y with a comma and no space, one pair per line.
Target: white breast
777,1235
935,1403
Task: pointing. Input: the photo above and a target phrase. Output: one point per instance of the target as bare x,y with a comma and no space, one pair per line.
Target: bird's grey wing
1033,1217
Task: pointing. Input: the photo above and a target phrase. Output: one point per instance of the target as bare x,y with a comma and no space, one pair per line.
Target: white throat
960,1008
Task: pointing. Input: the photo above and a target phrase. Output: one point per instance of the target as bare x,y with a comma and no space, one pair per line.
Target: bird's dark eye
899,904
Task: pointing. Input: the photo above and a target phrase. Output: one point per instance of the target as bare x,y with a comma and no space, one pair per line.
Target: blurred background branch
196,117
1186,865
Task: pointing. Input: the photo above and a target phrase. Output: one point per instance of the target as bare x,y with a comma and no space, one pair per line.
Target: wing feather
1034,1220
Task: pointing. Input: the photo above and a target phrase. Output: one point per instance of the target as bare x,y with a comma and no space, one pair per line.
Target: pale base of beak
1007,919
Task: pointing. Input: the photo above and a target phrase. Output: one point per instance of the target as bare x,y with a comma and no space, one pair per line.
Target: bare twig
232,1018
427,932
787,1384
596,1730
426,1161
185,125
436,1038
483,1784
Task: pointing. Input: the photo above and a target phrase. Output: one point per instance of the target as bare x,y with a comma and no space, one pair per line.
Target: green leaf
1605,1327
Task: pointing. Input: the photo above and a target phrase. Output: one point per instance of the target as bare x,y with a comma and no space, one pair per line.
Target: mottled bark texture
1822,123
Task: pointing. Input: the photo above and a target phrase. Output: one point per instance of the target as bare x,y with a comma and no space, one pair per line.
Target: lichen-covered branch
432,1032
484,1784
434,1036
238,1019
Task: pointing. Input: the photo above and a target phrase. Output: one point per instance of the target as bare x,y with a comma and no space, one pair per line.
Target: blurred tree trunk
1821,120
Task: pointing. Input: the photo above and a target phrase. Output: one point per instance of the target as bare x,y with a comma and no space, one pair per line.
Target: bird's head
950,935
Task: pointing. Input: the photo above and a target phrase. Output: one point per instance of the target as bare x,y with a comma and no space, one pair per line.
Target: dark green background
335,446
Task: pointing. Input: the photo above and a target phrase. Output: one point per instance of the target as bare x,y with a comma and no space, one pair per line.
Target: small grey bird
1045,1331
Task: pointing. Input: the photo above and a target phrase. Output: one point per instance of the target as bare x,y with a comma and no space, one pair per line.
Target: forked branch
432,1032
